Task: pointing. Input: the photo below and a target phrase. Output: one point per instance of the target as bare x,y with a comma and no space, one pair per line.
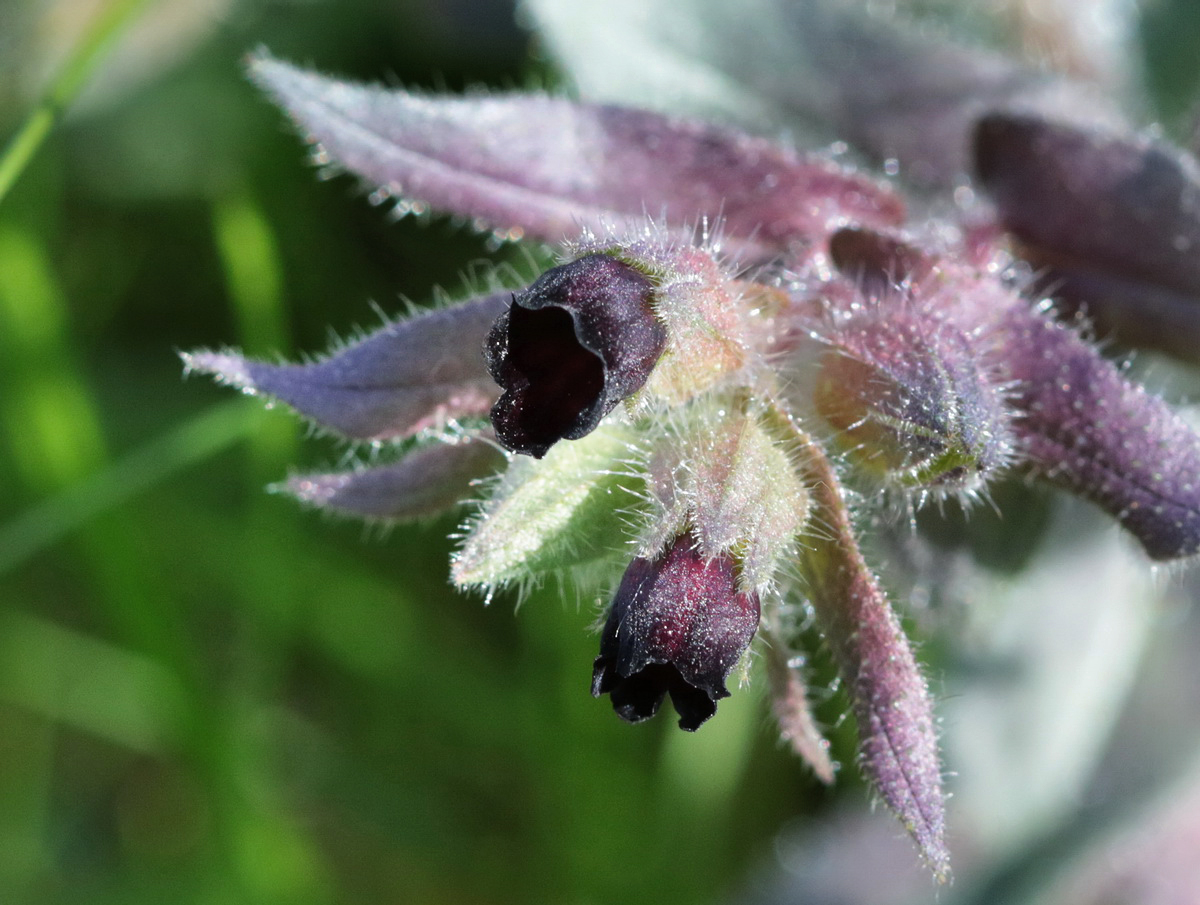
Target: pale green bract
562,511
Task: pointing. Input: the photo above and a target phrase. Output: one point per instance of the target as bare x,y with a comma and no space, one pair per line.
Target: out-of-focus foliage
206,696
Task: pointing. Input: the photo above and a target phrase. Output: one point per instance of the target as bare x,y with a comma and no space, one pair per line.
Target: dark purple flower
677,626
580,339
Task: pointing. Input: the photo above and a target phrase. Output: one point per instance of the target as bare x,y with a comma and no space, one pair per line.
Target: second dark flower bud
577,341
678,625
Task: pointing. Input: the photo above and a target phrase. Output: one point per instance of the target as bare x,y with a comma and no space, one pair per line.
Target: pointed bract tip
228,367
429,480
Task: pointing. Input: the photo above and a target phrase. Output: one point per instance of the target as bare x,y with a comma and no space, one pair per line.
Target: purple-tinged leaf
1117,214
1082,426
547,167
1112,200
409,376
891,703
425,482
872,75
793,711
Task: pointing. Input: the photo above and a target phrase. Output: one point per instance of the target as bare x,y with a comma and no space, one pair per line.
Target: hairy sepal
705,310
721,473
912,401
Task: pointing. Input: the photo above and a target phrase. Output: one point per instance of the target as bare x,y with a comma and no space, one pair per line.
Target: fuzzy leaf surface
1083,426
550,514
409,376
830,70
545,167
737,488
890,699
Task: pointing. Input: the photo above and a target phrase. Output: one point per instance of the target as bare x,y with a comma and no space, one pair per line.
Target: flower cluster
708,399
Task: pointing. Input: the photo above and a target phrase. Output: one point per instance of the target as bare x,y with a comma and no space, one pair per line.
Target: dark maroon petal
677,626
1098,205
580,339
545,167
1084,427
425,482
400,380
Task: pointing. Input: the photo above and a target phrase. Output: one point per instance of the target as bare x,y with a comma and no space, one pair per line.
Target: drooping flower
677,626
706,425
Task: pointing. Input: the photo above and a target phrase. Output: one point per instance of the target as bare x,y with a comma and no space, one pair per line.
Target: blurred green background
206,694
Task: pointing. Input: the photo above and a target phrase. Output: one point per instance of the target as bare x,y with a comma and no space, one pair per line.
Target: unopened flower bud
677,626
571,346
912,404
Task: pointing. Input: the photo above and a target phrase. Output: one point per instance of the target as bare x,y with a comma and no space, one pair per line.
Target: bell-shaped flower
574,344
678,625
